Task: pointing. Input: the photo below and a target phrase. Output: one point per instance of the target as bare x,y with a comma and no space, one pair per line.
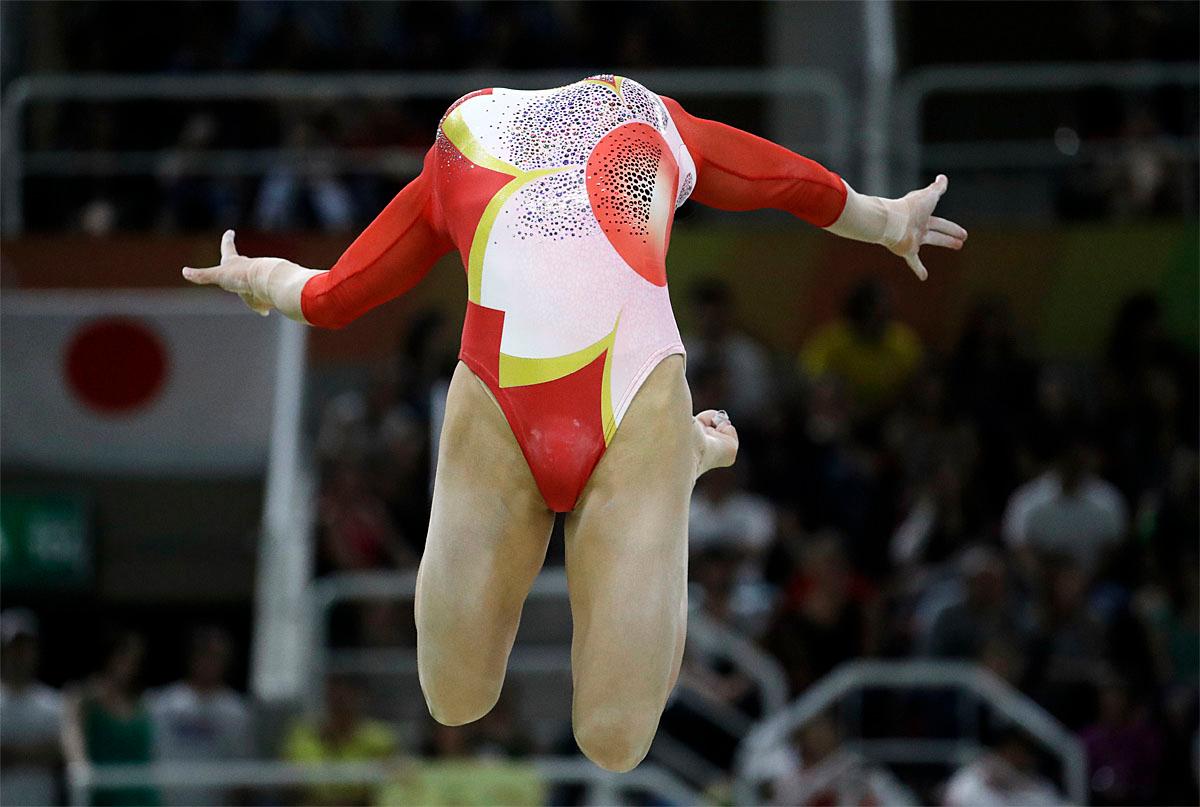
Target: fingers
941,225
940,184
914,263
707,417
202,277
942,240
228,250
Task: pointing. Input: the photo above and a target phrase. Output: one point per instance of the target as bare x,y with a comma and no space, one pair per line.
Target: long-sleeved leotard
561,202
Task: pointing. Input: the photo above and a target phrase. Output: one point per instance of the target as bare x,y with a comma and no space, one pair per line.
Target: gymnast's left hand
245,277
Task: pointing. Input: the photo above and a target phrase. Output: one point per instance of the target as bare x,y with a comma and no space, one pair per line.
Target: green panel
1180,289
44,541
1099,267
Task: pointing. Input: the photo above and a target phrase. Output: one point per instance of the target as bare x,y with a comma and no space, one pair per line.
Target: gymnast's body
570,394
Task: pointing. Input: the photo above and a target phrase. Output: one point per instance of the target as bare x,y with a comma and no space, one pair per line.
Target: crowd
111,718
1036,517
193,164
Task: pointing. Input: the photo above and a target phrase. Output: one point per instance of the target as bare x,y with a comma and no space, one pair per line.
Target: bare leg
488,532
627,572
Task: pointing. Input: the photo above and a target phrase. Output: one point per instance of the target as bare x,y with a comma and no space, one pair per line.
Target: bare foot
720,440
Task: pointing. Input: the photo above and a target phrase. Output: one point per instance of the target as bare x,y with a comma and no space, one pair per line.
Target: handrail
855,676
551,583
602,785
716,638
918,86
792,81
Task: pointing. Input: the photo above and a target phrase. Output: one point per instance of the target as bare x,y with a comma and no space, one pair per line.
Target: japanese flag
134,382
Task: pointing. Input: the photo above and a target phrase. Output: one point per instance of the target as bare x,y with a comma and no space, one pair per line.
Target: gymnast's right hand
262,283
720,445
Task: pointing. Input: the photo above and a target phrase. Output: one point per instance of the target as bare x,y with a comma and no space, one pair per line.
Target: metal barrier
919,86
603,787
854,677
551,584
822,85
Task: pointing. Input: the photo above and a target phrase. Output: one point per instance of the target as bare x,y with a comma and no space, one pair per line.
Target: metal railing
551,584
601,786
914,92
820,85
854,677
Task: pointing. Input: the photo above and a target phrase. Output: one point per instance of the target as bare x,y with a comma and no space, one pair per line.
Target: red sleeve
736,170
392,254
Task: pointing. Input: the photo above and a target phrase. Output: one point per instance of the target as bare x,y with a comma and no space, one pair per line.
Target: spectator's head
825,560
210,651
988,332
19,641
712,302
819,740
1069,583
343,702
1074,454
121,659
983,571
715,569
1135,330
1013,746
867,310
1116,701
1003,657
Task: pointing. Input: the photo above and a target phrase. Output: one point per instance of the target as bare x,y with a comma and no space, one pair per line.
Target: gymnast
569,395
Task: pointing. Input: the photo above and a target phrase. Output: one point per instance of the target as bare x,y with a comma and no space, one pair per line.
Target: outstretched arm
740,171
386,260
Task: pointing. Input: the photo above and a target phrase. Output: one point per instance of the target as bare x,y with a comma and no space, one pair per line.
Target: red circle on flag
116,365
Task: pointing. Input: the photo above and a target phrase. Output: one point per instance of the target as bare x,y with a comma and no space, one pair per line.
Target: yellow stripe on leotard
459,133
520,371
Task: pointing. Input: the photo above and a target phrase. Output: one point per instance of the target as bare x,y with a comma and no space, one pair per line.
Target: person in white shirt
1004,776
1067,511
30,718
201,718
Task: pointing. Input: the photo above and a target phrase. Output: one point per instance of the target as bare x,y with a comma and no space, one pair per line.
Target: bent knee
455,695
615,739
457,706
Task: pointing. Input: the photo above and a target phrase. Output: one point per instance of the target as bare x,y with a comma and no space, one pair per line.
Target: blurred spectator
31,726
1068,510
356,531
723,513
1070,644
1124,750
821,772
479,763
829,614
341,734
871,352
107,720
315,198
200,718
1005,776
735,365
986,611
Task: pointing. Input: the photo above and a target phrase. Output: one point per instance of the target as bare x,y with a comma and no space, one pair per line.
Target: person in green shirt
107,722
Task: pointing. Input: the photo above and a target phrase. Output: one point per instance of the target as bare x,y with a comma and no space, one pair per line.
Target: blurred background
956,562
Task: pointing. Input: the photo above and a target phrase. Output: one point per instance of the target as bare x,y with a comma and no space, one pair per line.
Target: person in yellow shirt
342,735
871,353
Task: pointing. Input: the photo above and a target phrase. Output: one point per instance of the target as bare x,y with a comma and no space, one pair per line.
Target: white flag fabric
150,381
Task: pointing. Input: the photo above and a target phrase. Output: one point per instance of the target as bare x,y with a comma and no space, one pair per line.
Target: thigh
487,540
627,570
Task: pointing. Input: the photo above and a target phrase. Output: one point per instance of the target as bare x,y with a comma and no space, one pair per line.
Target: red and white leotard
560,202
